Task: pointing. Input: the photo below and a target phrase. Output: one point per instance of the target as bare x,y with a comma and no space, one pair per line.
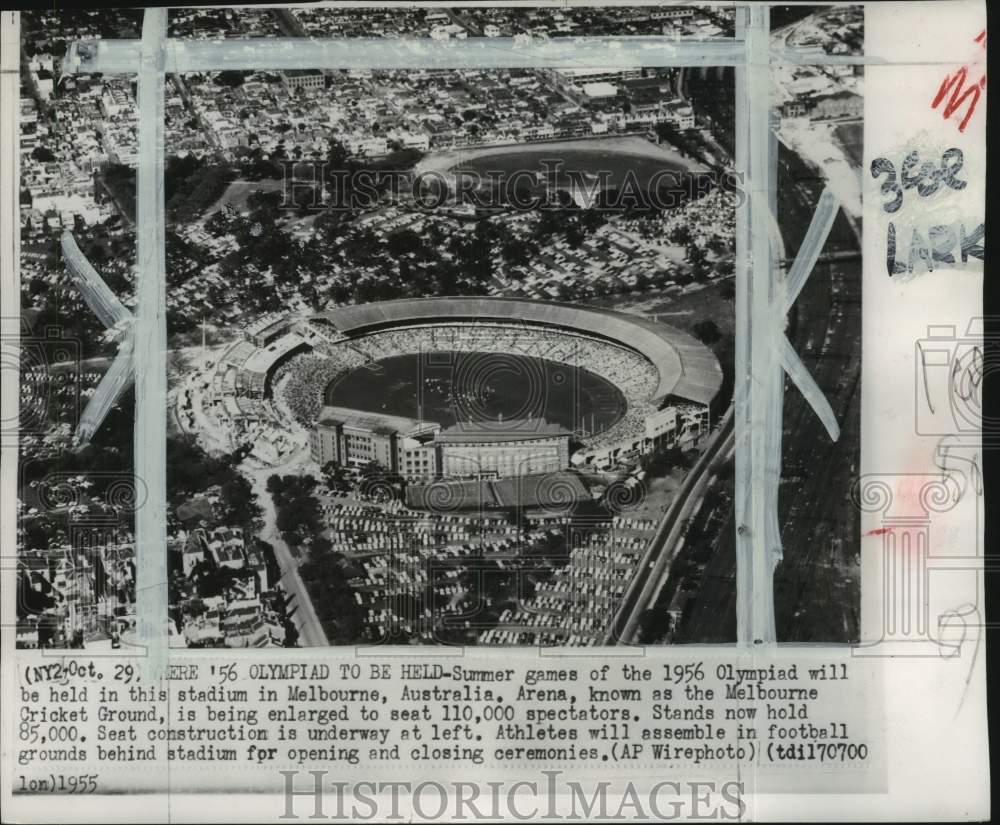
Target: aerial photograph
451,352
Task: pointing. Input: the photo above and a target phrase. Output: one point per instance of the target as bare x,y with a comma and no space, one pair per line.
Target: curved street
300,606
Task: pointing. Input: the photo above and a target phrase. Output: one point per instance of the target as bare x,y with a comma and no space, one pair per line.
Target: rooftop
374,422
513,429
687,368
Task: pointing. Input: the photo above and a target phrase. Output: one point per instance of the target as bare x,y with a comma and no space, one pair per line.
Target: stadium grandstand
687,368
667,377
266,328
247,369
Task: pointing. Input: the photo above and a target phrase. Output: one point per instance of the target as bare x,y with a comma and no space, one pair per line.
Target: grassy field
238,191
851,137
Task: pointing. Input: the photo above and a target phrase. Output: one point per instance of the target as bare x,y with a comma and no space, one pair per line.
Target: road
212,139
289,23
465,21
122,211
654,568
300,606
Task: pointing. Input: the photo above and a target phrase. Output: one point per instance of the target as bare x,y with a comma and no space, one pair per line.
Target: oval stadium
633,385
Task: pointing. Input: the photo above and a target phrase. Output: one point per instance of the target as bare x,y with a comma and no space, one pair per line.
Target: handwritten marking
954,84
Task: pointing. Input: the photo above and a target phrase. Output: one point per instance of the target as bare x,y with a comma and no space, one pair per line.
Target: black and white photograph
552,410
450,351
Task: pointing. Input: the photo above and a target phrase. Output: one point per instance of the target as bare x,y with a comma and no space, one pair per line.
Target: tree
648,625
663,460
695,255
43,154
335,475
336,155
716,245
680,235
402,242
218,224
518,251
229,78
707,331
575,235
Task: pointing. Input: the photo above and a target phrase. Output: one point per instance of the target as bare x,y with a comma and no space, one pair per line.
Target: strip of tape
151,351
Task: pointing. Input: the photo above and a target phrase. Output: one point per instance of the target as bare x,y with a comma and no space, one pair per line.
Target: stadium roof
600,89
687,368
238,353
372,421
264,359
515,429
266,322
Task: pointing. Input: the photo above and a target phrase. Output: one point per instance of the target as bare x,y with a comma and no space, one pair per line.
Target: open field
851,137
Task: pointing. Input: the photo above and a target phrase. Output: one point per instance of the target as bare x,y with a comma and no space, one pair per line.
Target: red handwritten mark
954,84
880,531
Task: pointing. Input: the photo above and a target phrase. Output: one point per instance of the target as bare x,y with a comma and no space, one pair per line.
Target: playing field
452,387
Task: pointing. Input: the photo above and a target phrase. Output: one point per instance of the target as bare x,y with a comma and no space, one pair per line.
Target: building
115,100
355,438
366,145
599,90
193,551
417,458
566,78
254,376
29,112
661,427
266,328
514,448
681,114
412,140
303,79
671,405
794,108
676,13
421,451
447,32
839,105
226,546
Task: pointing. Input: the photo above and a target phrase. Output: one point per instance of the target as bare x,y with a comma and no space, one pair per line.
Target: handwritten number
951,164
889,185
923,176
927,173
